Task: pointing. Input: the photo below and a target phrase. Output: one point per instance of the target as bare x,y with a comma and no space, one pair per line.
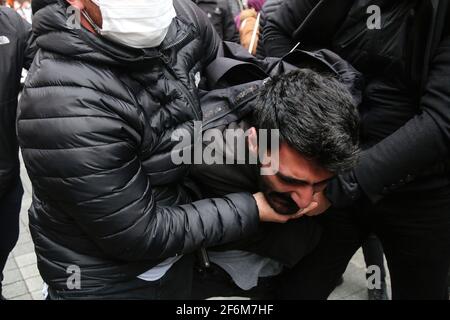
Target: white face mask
135,23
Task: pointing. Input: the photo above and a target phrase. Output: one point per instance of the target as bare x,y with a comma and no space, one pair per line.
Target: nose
303,196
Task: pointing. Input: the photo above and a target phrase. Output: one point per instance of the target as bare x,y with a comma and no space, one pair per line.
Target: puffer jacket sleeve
269,8
31,47
230,32
212,43
410,151
420,143
13,58
85,161
280,26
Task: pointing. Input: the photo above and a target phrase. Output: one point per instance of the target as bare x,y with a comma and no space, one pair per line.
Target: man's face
296,182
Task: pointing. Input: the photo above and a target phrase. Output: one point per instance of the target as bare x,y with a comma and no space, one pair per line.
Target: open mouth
281,203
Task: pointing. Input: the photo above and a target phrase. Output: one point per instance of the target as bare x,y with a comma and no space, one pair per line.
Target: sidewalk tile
26,296
22,249
34,284
12,276
37,295
29,271
14,290
26,260
10,264
24,238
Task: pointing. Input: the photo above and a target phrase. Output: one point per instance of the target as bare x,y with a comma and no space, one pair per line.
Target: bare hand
267,214
319,205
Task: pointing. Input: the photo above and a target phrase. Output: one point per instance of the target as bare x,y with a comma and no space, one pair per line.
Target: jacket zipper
172,76
206,125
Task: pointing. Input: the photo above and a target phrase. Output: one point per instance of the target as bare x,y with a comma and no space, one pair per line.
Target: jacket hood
51,25
37,5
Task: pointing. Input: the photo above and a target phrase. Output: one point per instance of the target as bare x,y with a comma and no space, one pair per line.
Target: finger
297,215
283,219
313,206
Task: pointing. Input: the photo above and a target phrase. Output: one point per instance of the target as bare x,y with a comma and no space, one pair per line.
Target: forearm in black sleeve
280,27
28,43
104,188
420,143
229,27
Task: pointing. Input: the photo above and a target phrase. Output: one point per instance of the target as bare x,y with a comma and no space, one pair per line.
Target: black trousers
216,282
176,284
414,229
10,205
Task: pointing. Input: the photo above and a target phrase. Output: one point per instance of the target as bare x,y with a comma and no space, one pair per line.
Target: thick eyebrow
292,180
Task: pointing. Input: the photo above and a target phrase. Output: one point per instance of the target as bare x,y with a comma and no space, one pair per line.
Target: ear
253,141
76,4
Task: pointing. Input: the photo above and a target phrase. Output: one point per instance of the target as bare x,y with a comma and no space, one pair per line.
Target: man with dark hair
316,120
15,54
400,188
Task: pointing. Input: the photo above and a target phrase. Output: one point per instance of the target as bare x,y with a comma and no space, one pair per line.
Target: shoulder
54,70
11,21
189,11
271,6
59,87
9,14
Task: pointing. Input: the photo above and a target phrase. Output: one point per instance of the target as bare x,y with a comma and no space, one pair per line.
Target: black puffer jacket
95,126
269,8
219,13
15,37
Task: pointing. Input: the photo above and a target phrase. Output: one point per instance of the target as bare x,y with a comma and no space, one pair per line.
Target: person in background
219,13
15,54
268,9
24,10
236,6
248,24
7,3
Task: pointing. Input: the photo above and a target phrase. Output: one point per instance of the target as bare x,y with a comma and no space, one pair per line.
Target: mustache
290,207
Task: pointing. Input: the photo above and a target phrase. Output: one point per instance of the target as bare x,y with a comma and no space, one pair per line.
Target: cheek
94,12
79,4
304,192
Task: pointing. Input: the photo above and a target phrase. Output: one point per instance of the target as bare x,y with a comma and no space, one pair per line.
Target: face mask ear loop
91,22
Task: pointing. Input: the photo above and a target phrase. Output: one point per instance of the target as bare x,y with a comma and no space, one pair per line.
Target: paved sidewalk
23,282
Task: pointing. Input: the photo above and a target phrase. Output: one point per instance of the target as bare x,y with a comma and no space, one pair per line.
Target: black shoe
378,294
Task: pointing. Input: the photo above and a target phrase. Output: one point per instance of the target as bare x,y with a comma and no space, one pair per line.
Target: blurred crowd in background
23,8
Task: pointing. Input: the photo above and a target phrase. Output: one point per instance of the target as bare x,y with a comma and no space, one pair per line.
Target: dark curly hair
315,114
